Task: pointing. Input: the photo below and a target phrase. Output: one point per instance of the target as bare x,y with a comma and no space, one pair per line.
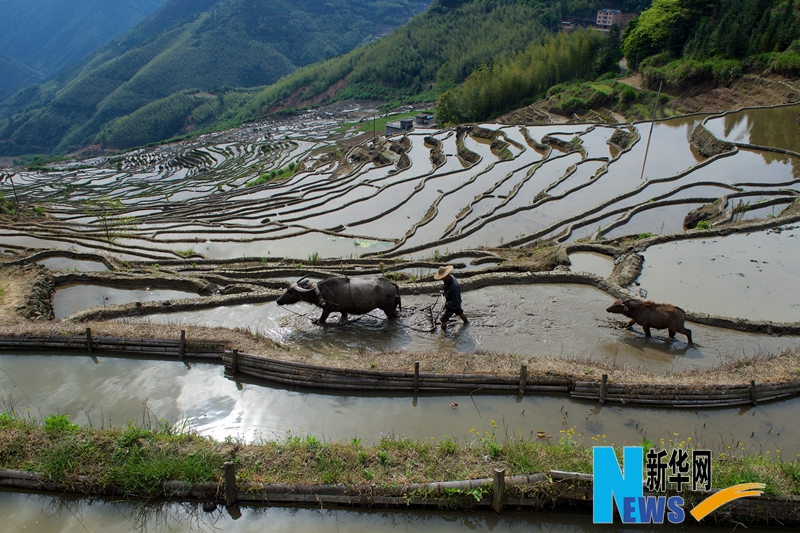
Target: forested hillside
39,38
190,47
203,65
687,43
435,51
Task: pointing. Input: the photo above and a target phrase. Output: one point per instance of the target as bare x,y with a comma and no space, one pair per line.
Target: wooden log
498,490
234,361
230,483
523,378
753,392
89,340
182,348
778,386
416,376
604,388
560,474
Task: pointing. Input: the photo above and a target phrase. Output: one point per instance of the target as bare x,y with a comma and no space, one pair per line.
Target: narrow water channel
50,514
200,396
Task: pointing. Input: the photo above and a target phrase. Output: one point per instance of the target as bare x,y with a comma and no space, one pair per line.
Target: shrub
703,224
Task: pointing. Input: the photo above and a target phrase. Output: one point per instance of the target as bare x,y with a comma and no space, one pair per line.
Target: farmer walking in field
452,295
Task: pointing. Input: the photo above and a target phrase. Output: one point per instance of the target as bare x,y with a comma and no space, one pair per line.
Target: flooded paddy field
69,300
561,321
431,193
752,275
580,182
114,391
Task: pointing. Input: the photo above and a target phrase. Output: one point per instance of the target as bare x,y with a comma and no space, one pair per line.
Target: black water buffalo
346,295
652,315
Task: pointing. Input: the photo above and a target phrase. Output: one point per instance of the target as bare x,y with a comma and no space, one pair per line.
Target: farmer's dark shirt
452,294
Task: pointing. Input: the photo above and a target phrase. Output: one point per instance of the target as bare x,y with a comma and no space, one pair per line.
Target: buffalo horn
298,288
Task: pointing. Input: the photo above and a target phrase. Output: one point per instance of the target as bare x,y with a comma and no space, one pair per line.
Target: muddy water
765,127
659,220
567,321
49,514
69,300
752,276
114,391
299,247
64,263
594,263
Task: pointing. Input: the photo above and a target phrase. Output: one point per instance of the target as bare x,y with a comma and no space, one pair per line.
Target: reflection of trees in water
143,517
771,157
776,127
163,517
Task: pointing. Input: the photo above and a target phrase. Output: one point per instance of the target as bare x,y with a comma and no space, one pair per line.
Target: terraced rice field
561,182
288,195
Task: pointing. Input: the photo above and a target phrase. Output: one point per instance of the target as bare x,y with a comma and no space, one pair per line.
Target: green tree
108,213
611,51
658,29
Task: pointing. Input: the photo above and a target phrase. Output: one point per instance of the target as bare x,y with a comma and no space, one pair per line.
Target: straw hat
443,272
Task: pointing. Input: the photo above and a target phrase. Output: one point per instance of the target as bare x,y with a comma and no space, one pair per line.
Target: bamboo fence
317,377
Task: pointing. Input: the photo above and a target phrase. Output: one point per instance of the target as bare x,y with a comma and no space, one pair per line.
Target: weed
448,446
184,253
383,457
478,492
741,208
643,236
703,224
313,259
60,423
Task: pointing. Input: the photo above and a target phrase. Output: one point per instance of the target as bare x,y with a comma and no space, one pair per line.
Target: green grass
136,460
275,174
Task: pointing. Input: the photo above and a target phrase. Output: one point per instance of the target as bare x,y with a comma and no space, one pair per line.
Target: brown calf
652,315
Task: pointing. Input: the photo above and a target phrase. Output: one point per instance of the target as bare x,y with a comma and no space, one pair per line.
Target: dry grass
784,366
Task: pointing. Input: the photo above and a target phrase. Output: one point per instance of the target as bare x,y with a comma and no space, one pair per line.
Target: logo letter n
611,485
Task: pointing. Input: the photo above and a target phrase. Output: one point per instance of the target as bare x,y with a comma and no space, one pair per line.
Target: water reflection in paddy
594,263
69,300
64,263
764,127
532,320
115,391
50,514
751,275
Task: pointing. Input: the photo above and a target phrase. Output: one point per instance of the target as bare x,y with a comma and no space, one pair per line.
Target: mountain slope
195,46
47,36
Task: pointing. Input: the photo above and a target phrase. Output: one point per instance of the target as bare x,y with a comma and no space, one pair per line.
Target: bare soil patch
15,285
